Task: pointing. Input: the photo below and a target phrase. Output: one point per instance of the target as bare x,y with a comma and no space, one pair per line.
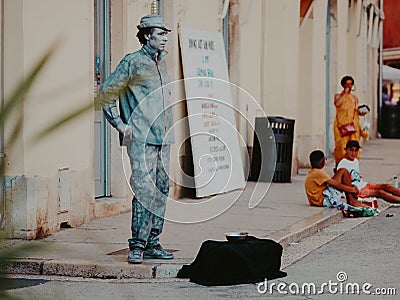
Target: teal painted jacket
144,98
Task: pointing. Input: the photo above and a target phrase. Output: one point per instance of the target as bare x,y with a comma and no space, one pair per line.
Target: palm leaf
101,99
10,104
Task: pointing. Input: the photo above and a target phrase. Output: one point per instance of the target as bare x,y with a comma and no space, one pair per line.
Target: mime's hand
128,133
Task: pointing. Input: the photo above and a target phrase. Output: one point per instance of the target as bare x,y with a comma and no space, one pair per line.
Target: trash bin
272,149
390,126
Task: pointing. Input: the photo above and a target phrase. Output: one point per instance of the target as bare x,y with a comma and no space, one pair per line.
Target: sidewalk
98,249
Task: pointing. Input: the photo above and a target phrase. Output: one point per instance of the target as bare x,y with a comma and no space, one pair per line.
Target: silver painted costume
144,105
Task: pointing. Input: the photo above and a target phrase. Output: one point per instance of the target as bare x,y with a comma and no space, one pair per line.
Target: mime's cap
152,21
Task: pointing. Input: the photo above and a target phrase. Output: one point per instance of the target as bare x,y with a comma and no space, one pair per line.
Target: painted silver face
158,39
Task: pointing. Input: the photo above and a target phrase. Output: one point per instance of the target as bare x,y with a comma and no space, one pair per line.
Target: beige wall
281,58
65,84
61,87
246,68
13,75
311,115
265,65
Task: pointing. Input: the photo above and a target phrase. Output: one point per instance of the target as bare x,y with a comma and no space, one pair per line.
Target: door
102,70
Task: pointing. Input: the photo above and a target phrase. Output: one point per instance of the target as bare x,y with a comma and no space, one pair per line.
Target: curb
307,227
119,270
89,269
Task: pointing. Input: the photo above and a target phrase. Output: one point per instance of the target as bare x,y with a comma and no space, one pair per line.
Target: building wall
391,34
65,84
279,70
311,116
266,64
13,74
391,38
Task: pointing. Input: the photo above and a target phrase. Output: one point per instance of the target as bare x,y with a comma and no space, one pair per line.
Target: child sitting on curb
323,190
350,163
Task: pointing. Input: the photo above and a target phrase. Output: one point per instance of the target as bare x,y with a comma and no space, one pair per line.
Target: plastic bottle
395,182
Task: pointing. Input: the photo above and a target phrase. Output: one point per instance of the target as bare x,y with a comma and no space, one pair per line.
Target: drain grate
126,251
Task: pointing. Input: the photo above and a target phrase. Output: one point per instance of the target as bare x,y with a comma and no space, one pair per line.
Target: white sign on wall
214,136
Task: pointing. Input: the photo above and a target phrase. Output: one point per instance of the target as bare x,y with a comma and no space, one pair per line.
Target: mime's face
157,39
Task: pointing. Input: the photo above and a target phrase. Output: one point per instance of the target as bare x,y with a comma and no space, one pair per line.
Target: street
364,260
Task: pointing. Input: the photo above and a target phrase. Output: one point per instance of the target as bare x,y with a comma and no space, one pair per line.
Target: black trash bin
268,149
390,126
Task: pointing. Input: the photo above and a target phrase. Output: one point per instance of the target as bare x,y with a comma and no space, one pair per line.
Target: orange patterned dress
346,112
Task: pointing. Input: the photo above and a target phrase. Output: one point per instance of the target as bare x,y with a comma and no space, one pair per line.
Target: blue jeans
150,183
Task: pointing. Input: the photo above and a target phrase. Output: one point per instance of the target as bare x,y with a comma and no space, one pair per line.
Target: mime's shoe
135,256
157,252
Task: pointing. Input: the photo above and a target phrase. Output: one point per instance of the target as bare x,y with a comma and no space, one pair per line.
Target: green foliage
7,253
100,99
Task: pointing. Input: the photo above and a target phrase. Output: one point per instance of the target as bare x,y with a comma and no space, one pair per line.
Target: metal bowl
236,237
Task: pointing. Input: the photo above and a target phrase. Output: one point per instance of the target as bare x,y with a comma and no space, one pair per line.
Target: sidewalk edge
117,270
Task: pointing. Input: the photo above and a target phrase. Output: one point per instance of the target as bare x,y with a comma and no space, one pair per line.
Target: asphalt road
357,264
366,257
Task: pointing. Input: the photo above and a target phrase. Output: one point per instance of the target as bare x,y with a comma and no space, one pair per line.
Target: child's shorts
332,197
365,192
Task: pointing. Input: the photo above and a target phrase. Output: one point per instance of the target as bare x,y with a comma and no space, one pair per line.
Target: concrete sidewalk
99,248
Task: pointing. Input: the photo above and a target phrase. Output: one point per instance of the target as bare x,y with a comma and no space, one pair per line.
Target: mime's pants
150,184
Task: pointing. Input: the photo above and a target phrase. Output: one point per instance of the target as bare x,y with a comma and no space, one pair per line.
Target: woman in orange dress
346,112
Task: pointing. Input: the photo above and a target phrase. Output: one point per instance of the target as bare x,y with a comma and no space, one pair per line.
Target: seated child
366,189
323,190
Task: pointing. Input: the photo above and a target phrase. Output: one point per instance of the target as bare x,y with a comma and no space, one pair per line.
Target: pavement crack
153,272
41,267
